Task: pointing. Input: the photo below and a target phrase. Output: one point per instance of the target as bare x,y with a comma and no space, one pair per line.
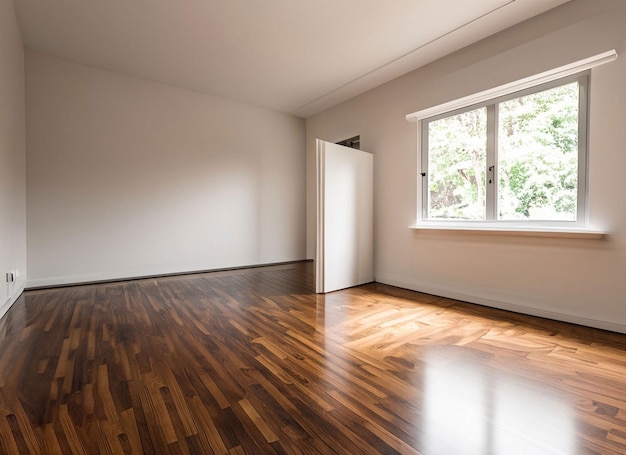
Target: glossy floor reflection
484,381
475,409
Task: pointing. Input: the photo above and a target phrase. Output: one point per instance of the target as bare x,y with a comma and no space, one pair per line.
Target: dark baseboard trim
168,275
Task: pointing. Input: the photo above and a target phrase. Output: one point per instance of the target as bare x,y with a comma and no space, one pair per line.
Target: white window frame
491,169
559,76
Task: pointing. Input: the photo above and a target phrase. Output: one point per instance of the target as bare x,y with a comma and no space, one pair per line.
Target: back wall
128,177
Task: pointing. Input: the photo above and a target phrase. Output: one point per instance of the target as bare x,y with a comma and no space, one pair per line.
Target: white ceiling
295,56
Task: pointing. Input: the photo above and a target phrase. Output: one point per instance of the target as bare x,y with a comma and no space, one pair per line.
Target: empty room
313,227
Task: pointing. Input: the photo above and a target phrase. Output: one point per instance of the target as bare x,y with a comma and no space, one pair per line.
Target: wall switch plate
10,277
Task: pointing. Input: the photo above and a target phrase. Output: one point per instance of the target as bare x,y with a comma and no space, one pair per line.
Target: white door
344,252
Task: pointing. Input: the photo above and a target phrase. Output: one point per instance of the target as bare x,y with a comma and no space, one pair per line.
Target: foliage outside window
520,157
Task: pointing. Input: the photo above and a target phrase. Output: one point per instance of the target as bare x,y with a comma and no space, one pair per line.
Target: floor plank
252,361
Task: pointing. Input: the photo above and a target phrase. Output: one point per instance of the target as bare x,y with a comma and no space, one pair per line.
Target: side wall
128,177
579,281
12,158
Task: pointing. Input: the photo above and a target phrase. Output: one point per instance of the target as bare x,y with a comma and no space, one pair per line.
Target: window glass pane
538,155
457,150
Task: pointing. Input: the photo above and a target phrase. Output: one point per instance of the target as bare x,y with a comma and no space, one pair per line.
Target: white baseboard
17,290
502,303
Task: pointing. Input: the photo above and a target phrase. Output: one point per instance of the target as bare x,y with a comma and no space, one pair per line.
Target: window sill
516,231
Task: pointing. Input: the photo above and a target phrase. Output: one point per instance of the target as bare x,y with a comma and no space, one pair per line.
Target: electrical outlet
10,277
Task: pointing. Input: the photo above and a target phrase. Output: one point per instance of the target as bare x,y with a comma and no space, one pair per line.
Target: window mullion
492,169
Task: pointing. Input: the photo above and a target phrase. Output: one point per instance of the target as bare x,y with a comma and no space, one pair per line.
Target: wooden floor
252,361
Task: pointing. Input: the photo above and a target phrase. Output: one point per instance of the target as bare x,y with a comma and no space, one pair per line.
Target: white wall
12,158
127,177
574,280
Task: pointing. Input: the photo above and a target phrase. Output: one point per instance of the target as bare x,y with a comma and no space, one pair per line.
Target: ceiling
294,56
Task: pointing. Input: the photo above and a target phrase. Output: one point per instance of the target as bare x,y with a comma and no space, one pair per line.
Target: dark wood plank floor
252,361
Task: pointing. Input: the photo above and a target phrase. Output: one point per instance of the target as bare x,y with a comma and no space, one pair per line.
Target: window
520,157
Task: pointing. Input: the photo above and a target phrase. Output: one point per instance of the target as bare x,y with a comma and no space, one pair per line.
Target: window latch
423,174
491,169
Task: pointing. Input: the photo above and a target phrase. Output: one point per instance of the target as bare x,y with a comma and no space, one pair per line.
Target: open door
344,252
